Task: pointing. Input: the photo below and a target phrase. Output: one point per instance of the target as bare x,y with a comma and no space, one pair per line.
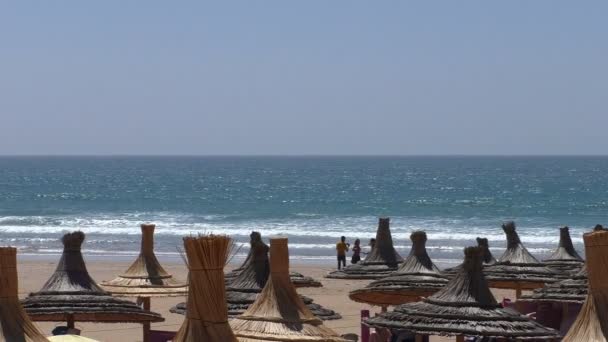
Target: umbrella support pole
146,304
70,322
384,308
419,338
460,338
518,291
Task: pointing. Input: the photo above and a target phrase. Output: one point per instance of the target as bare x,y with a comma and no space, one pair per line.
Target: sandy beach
334,295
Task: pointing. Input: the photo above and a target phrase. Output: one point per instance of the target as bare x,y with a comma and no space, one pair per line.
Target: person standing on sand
341,249
356,252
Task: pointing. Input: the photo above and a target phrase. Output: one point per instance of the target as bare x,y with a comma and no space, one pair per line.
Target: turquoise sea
313,200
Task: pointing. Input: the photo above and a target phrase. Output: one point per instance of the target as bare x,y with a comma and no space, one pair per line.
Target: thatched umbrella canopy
297,279
464,307
517,268
487,258
146,277
565,258
417,277
591,325
207,314
571,290
243,288
278,313
381,261
72,295
15,325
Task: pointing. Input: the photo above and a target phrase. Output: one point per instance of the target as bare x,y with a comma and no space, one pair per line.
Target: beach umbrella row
71,295
381,261
297,279
243,287
464,307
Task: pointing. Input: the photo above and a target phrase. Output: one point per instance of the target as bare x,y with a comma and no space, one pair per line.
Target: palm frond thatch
297,279
146,277
15,325
417,277
517,268
70,294
278,313
465,306
592,322
244,286
381,261
207,314
565,258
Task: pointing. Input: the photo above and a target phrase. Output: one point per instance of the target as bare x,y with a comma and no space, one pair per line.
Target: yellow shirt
342,248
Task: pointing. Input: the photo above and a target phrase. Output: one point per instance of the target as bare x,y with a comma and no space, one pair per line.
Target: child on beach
356,252
341,249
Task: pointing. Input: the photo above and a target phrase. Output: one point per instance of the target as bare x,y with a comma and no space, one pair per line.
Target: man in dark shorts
341,249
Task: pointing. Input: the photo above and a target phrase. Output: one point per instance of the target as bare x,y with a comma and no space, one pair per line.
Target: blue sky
305,77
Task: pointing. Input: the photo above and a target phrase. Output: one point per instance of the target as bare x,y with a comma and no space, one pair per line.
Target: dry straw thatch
464,307
243,288
15,325
72,295
297,279
571,290
517,268
146,277
381,261
417,277
207,314
278,313
565,258
591,325
487,259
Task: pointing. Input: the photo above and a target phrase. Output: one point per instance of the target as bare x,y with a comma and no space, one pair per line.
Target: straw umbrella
278,313
15,325
297,279
591,325
71,295
207,314
517,269
146,278
243,288
565,258
572,290
464,307
487,258
417,277
381,261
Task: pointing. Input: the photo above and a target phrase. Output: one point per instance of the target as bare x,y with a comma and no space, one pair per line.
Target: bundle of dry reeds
278,313
207,314
15,325
591,324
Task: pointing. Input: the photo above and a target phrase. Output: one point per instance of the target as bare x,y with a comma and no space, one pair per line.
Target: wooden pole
384,308
517,291
364,328
460,338
419,338
146,304
70,321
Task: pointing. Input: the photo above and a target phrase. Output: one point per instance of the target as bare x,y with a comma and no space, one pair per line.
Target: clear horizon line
300,155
